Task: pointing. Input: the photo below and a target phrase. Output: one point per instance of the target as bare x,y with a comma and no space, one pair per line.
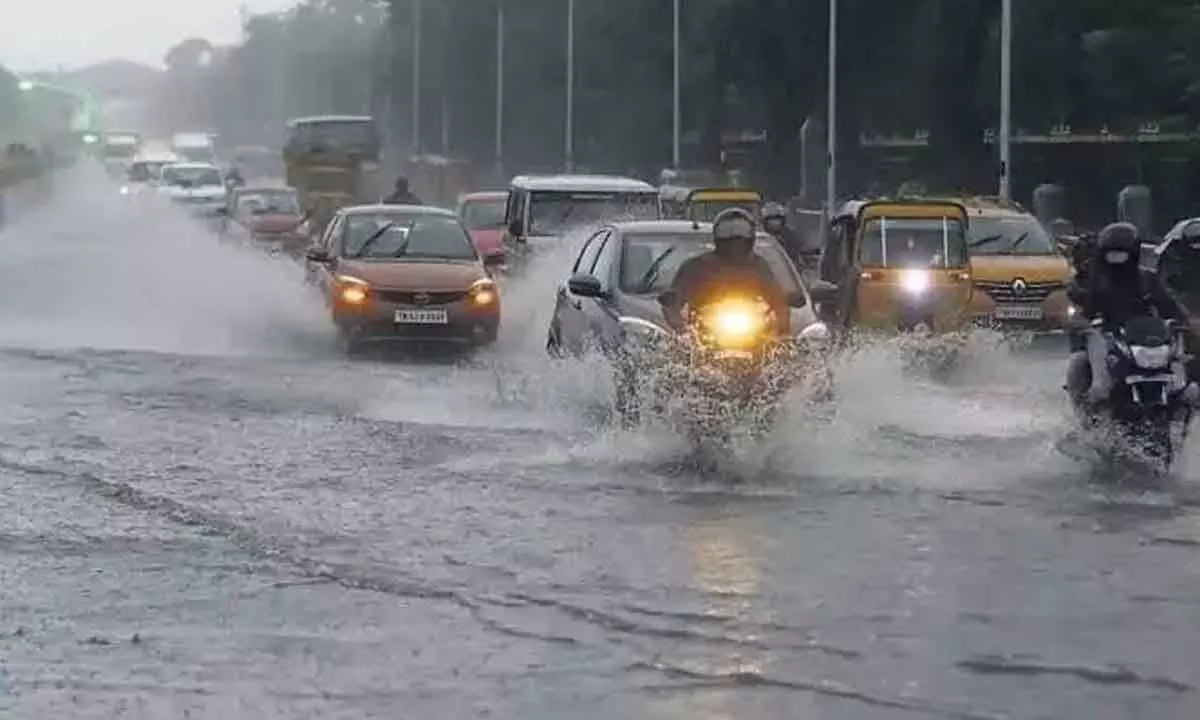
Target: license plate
1017,312
421,317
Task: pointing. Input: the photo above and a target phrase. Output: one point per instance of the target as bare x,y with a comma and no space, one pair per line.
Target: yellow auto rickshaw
703,204
900,265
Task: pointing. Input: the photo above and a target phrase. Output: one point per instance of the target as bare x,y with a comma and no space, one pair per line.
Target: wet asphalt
208,513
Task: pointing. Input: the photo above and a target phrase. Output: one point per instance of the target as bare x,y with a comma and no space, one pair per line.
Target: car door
569,307
600,314
319,274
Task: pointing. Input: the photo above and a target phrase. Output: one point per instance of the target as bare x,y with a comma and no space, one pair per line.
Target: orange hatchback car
403,274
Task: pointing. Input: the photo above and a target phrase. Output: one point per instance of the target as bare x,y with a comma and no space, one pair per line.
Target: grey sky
46,33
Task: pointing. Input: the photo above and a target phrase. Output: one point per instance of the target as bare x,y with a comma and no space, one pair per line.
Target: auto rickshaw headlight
352,290
916,282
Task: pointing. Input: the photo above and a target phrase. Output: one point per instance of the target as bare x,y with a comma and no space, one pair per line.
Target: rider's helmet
733,233
774,216
1119,245
402,184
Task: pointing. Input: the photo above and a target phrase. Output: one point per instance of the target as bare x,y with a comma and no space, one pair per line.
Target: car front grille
1003,292
410,297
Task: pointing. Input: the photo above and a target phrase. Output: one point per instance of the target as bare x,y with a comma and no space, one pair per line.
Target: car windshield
412,237
484,214
913,243
552,213
280,202
1016,235
196,154
120,151
641,252
191,176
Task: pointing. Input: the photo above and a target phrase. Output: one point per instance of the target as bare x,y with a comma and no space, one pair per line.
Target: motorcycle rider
233,178
401,195
1114,288
774,221
732,267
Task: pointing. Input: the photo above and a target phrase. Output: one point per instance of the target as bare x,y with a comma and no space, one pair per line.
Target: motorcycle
728,371
1144,420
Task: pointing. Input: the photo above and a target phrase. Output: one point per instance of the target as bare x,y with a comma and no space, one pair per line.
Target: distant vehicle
146,171
542,209
403,273
483,214
195,147
267,216
117,151
198,187
259,163
332,161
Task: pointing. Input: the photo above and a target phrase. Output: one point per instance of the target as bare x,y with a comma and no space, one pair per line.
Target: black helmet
774,211
1119,244
402,184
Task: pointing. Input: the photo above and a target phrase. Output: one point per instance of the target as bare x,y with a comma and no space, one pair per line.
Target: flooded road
210,514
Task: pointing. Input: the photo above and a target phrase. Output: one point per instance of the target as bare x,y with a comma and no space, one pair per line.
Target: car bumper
376,323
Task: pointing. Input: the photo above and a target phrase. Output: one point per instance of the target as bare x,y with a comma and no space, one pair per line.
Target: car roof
388,209
484,195
581,183
263,187
313,119
193,166
157,157
702,231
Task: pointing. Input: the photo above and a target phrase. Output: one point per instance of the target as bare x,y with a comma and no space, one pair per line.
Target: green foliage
747,64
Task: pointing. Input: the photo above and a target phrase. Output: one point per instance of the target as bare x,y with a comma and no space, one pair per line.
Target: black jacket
405,197
707,278
1117,296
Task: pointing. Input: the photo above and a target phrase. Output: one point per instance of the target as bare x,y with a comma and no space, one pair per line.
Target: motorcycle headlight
734,323
916,282
352,290
1151,358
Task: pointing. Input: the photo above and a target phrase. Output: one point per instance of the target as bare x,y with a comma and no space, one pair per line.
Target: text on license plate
1017,312
421,317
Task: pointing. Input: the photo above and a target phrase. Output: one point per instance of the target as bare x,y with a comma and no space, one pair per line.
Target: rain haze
73,34
280,438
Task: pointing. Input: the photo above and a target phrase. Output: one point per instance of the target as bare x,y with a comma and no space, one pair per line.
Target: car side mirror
318,255
585,286
495,260
823,291
516,228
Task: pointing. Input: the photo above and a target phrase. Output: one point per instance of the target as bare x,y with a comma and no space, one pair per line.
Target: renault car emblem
421,298
1019,286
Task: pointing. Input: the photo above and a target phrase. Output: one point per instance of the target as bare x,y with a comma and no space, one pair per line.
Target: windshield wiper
646,284
985,240
362,249
1020,239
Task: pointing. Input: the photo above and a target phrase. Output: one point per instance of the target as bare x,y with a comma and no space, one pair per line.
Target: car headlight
483,293
638,330
125,190
352,290
915,282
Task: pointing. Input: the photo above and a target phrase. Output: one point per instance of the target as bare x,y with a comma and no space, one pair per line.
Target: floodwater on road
208,513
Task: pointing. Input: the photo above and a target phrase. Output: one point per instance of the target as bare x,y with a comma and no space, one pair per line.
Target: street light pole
570,115
831,118
1005,138
676,110
500,89
416,78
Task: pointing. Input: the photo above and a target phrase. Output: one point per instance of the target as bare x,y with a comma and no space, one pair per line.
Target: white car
197,186
146,171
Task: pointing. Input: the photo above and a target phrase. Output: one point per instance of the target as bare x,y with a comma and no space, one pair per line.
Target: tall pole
416,78
676,120
831,119
500,89
1005,98
570,121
